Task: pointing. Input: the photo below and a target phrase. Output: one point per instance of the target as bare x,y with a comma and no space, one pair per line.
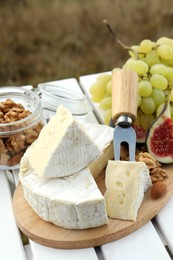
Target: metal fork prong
127,135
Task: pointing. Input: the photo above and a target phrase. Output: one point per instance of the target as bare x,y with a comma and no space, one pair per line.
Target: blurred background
44,40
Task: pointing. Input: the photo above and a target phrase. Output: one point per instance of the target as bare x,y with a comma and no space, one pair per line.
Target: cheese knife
124,110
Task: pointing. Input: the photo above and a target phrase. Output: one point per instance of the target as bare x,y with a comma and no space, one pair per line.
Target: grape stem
126,47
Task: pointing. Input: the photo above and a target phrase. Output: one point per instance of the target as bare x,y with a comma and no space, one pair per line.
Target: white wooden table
153,241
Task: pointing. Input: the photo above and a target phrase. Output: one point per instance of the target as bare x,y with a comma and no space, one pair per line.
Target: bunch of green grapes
153,62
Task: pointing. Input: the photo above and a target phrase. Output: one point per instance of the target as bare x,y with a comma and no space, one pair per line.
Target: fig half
140,133
159,139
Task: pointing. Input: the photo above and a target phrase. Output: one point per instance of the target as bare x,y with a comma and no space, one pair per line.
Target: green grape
135,48
171,109
165,52
115,69
140,113
146,121
129,64
170,83
109,86
152,58
165,40
158,96
138,120
169,74
140,67
159,69
147,105
106,103
104,78
171,96
158,81
107,94
144,88
153,62
139,100
146,45
107,116
159,109
172,113
97,88
170,62
96,98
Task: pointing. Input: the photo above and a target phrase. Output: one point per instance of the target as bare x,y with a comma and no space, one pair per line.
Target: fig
159,138
140,133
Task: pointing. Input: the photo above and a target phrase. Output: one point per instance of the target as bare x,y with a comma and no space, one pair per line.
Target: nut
147,159
13,147
157,173
158,190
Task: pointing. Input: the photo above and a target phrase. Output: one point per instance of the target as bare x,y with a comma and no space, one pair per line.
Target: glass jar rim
19,91
53,95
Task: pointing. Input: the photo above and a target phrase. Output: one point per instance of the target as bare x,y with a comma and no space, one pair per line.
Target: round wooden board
48,234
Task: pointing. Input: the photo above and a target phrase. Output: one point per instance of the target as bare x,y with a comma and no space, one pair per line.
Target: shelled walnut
11,111
157,173
14,143
147,159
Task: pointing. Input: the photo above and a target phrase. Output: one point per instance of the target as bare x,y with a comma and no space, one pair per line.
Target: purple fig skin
162,122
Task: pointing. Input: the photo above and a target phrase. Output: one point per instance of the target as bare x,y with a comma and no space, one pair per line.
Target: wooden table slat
164,221
143,244
11,246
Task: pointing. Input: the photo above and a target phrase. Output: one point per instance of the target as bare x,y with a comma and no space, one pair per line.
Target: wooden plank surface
11,246
143,244
164,222
53,236
41,252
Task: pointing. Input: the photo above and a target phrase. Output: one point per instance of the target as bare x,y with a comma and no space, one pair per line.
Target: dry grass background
43,40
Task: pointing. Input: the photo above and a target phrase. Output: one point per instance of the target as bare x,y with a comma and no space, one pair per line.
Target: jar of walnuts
21,120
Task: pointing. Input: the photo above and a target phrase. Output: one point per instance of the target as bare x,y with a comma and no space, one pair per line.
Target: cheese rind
126,183
62,148
73,202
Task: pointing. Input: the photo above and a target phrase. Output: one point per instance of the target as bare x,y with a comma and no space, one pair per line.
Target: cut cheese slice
126,183
63,147
73,202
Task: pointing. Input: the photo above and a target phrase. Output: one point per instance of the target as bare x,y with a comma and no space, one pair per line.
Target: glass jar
21,120
54,95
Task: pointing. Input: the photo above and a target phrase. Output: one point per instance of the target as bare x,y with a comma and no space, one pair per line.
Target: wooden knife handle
124,94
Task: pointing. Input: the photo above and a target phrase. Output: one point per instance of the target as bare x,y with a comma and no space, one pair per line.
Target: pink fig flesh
159,139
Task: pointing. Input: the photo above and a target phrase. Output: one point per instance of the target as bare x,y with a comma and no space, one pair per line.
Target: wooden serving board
48,234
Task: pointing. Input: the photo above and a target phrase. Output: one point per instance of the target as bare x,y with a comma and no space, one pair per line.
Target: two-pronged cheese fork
124,110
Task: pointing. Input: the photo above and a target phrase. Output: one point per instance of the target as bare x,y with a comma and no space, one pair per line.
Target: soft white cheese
63,147
101,134
73,202
126,183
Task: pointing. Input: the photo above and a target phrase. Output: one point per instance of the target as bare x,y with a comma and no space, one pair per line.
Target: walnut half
157,173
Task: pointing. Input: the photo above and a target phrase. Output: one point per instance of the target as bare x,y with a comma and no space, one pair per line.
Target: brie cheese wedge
126,182
73,202
63,147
